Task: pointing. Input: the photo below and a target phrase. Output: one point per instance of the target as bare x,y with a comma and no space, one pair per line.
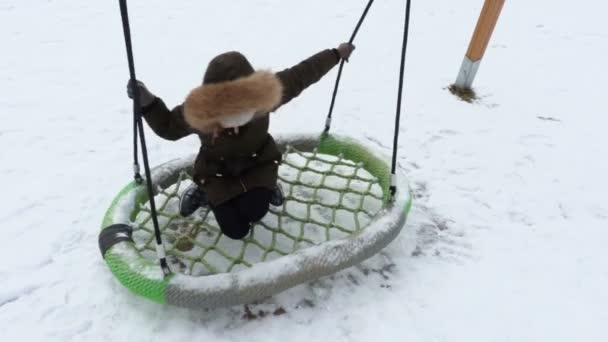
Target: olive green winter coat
233,160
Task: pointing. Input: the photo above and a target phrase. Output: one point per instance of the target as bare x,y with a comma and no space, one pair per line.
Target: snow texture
506,240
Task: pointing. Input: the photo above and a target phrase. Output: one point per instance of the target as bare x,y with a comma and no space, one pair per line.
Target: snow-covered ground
506,240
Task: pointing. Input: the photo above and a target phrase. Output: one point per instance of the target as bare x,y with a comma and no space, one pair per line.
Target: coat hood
231,95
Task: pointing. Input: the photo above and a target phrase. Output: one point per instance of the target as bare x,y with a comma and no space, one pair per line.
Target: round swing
342,206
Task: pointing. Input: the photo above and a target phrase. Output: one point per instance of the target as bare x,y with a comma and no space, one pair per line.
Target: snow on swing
338,212
327,198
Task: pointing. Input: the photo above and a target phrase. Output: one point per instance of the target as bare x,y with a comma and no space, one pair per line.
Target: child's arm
306,73
167,124
311,70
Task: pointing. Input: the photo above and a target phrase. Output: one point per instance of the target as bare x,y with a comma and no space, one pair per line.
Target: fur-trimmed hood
232,103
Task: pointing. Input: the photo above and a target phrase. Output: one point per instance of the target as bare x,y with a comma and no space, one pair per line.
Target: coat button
219,175
254,155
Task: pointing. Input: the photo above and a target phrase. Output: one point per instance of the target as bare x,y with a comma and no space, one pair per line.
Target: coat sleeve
167,124
306,73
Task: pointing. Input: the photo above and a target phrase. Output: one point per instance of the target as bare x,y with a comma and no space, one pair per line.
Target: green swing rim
144,278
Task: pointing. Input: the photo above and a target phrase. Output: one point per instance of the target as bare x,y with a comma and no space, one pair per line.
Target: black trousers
235,217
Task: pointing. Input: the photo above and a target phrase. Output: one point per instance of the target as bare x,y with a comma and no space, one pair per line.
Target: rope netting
326,197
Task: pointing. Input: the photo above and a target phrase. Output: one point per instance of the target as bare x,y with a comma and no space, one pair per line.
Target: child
236,169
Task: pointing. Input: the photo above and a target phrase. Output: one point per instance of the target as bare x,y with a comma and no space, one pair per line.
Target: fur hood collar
232,103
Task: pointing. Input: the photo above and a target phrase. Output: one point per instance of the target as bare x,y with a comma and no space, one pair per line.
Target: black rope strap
393,187
138,129
127,32
337,85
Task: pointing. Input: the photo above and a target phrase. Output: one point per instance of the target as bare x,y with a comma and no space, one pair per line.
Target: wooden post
479,42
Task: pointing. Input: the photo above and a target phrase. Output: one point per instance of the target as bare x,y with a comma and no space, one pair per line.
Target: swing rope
393,187
138,129
337,85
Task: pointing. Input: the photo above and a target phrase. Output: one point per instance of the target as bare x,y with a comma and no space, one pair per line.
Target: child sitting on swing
236,170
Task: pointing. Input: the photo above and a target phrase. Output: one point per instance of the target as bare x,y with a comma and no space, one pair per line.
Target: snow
506,240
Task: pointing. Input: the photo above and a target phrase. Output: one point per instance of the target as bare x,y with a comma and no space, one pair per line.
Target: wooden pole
479,42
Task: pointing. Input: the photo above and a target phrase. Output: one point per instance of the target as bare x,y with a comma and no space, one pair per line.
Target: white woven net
326,198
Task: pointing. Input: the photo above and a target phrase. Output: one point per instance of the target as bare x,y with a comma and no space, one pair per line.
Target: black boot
276,198
192,199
